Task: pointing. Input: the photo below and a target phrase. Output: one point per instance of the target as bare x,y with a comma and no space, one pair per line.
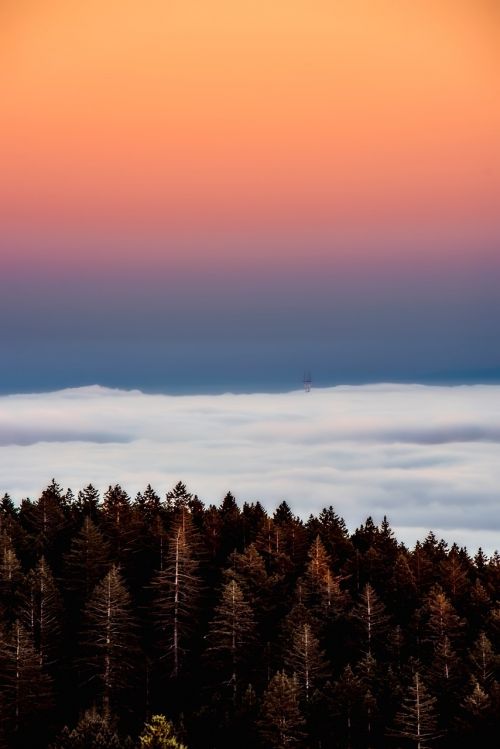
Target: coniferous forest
161,622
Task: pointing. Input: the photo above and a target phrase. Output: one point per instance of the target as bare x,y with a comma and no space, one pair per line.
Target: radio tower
307,382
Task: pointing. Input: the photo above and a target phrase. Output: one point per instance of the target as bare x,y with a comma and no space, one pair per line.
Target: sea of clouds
427,457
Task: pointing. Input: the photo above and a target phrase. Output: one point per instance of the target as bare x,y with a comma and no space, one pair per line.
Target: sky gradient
203,194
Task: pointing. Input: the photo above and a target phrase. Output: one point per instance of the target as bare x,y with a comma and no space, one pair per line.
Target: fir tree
305,658
25,690
370,614
454,574
45,519
110,638
484,660
281,722
87,560
320,587
334,534
159,733
148,504
42,610
177,593
442,619
87,502
93,731
116,516
231,634
10,577
416,720
348,702
249,571
476,721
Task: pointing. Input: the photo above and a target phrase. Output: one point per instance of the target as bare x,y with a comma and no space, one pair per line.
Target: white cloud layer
428,457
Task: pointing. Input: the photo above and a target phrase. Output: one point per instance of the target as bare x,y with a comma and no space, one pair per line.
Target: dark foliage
206,627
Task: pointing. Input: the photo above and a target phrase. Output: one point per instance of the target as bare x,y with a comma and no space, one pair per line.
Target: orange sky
190,116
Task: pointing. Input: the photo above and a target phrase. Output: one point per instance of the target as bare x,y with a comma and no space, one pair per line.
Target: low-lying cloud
428,457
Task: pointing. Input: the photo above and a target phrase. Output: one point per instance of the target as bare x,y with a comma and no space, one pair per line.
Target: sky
425,456
203,195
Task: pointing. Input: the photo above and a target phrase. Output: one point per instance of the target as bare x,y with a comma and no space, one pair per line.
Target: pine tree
110,638
484,660
178,497
159,733
422,567
177,593
10,577
270,543
249,571
348,701
442,619
294,537
25,690
492,574
45,519
369,612
305,658
87,560
7,506
281,722
403,587
443,672
454,573
41,612
334,534
231,634
212,532
476,721
478,606
93,731
416,720
148,503
320,587
148,538
87,502
231,526
116,513
477,703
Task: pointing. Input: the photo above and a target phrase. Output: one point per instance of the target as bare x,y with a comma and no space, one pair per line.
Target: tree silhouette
93,731
25,690
87,560
116,519
281,722
370,614
10,577
177,592
416,720
348,702
305,658
159,733
109,639
442,619
231,633
42,610
476,721
99,600
45,519
320,587
484,660
87,502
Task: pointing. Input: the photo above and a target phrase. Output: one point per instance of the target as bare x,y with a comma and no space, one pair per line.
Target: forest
163,622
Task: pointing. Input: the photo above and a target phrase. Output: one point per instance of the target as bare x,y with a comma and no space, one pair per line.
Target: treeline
163,622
